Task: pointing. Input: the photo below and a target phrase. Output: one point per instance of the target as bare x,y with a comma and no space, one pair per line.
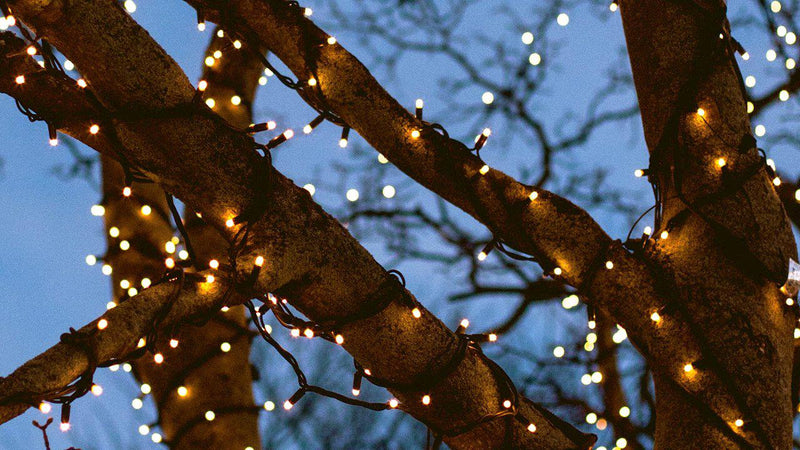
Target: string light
102,324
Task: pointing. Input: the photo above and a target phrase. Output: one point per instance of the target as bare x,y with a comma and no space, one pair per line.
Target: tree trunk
726,254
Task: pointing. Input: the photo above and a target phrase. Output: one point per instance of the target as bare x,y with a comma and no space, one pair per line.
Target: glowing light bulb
210,415
527,38
559,352
146,210
562,19
609,265
557,271
416,313
535,59
173,343
94,129
426,400
259,261
20,79
492,337
236,100
664,234
81,83
339,339
414,134
182,391
393,403
738,422
312,81
487,98
533,196
507,404
97,390
145,388
484,170
688,367
331,40
701,112
352,195
64,426
388,191
158,358
532,428
287,405
229,223
45,407
655,317
102,324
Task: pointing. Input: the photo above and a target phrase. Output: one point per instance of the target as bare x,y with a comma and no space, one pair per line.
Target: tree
703,299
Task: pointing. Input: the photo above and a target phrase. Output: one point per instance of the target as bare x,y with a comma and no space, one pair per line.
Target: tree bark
727,256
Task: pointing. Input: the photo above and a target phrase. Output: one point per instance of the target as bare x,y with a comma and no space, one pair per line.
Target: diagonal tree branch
125,325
